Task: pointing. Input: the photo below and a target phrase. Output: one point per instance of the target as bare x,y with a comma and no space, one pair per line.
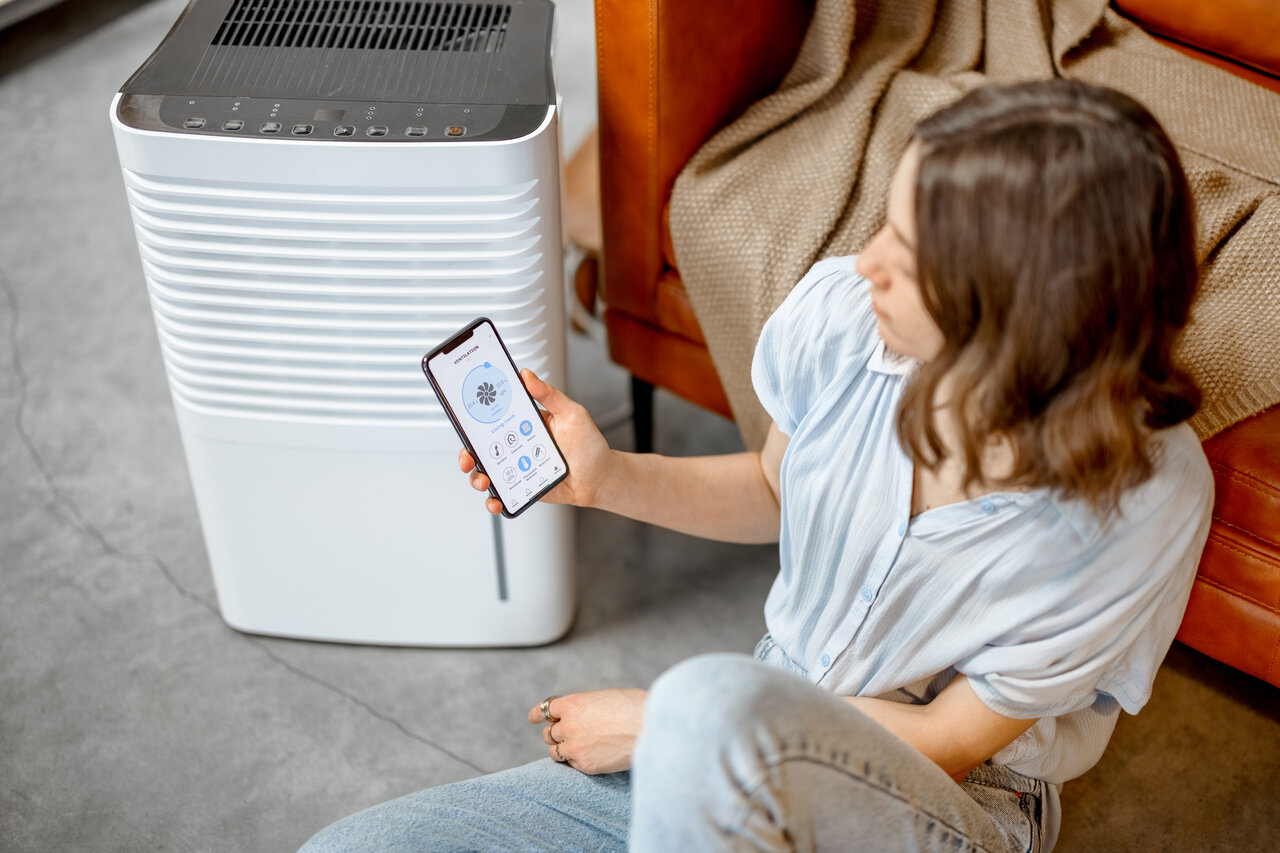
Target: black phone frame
449,345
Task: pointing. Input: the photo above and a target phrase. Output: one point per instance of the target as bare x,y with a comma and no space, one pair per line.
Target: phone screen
478,385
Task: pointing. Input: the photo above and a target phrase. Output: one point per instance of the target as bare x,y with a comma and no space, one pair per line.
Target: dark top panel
302,120
414,51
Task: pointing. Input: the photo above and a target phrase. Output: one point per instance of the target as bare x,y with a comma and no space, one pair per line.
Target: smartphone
479,386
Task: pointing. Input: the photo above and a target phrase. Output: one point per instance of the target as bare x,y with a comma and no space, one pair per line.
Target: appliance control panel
362,121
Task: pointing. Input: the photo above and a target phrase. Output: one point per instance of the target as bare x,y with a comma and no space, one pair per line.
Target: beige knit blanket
803,174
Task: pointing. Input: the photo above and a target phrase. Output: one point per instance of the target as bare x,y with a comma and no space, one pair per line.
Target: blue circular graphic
525,463
526,428
486,393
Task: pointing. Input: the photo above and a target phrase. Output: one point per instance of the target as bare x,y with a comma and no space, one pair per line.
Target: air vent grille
316,304
365,25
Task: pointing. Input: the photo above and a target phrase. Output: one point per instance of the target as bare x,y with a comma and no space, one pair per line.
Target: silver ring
559,756
545,709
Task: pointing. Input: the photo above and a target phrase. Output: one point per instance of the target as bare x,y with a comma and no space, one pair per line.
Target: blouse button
866,593
826,660
902,528
988,507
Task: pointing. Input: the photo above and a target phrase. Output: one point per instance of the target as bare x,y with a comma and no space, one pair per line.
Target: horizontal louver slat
229,192
260,229
238,350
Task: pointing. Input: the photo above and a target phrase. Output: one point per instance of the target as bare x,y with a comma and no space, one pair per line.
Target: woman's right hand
578,438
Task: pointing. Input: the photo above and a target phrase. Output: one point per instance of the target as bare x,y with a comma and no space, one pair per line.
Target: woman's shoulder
820,334
829,309
1181,482
1179,493
831,283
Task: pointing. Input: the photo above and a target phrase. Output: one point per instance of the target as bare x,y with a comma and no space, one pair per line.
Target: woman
989,512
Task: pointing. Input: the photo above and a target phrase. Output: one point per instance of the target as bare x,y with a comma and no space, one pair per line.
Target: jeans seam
1000,788
1033,821
751,790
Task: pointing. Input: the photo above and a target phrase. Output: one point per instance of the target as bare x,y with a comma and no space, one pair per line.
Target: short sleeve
1116,603
824,321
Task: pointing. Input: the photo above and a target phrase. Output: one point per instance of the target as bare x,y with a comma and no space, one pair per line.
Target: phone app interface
501,422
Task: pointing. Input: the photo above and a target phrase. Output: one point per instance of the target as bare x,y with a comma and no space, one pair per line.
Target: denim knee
391,828
710,702
715,727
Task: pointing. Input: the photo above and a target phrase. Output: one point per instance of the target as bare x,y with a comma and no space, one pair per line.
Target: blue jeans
735,755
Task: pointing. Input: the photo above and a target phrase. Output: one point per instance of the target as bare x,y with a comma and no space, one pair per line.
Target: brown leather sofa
671,74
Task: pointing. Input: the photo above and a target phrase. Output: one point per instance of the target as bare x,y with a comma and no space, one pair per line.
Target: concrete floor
132,718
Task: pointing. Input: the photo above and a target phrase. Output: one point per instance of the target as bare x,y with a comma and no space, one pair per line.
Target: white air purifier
321,191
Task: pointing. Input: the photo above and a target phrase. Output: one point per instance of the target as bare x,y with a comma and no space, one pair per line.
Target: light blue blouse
1049,612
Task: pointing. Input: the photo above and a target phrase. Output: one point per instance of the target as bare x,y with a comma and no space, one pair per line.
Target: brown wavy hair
1056,255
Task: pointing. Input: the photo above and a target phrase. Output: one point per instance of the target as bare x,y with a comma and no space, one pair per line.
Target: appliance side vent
316,304
395,25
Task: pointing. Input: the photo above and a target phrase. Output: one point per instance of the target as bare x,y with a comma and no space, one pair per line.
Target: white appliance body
295,285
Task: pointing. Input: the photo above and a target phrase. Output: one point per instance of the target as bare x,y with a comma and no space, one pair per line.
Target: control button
526,428
271,127
344,130
415,131
539,453
495,450
455,130
510,475
376,130
525,463
302,129
193,123
233,124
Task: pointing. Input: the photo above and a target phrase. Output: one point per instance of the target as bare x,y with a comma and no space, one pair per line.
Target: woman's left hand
596,732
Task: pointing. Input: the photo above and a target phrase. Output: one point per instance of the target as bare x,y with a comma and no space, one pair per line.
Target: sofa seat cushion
674,308
1234,612
1246,466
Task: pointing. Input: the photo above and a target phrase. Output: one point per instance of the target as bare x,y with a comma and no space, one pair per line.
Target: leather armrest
1246,32
670,74
1234,611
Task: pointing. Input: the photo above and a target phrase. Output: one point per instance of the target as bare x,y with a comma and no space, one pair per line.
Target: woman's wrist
604,490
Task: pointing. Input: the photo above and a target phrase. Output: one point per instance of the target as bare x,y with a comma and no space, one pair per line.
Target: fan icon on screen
486,394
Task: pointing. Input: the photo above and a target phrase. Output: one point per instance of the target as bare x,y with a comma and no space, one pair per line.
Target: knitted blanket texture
803,173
